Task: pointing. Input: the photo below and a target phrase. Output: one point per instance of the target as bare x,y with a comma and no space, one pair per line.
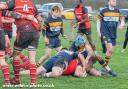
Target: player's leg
56,72
39,71
4,65
45,56
95,72
89,38
58,44
103,44
32,55
8,49
57,67
108,52
125,41
48,50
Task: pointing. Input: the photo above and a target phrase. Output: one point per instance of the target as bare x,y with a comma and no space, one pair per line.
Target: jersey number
25,8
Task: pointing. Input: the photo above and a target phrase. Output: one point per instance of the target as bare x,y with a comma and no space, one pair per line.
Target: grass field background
119,63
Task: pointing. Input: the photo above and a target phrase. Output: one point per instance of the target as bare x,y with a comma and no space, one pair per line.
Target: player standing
107,24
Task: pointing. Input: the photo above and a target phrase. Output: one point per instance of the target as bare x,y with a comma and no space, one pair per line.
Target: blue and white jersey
53,26
109,21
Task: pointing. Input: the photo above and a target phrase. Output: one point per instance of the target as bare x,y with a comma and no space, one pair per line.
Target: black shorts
2,40
85,31
27,38
9,33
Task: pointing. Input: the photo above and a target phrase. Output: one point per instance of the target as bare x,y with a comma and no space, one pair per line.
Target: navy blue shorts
54,42
110,40
53,61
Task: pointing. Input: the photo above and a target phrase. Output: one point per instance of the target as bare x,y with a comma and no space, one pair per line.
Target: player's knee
57,72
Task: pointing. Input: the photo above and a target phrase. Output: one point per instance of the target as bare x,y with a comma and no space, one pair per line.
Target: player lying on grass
55,66
80,45
74,67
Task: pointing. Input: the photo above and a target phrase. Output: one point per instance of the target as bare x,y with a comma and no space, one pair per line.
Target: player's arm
7,20
85,12
82,59
122,22
99,17
45,27
3,5
90,52
62,30
7,5
98,27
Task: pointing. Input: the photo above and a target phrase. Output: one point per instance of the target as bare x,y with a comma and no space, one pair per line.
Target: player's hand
120,27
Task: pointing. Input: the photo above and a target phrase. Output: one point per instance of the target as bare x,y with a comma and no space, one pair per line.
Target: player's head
80,41
78,2
56,11
112,3
79,72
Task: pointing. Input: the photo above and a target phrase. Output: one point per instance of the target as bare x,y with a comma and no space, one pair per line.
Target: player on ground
55,66
81,45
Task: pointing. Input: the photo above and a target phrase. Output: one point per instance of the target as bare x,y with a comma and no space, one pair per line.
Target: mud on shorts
2,40
27,36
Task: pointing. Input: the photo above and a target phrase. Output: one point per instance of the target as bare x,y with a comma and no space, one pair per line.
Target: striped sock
33,73
6,74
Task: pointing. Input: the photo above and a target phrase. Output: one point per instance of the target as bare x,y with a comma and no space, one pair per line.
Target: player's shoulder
104,9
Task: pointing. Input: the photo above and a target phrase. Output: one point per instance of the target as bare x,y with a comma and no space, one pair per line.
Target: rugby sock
16,67
107,58
26,65
23,58
103,63
33,73
6,74
94,48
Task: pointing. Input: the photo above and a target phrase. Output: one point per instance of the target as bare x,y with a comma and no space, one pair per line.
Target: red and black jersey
80,14
25,7
7,26
71,67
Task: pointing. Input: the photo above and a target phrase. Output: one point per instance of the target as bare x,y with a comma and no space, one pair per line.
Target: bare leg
46,56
